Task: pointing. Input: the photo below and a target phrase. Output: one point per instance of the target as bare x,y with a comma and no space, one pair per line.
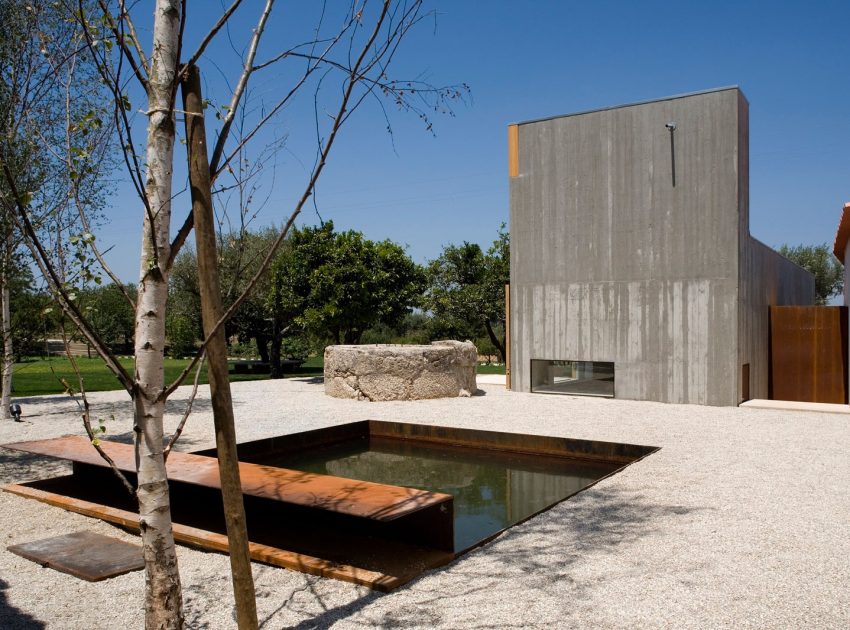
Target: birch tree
53,143
342,63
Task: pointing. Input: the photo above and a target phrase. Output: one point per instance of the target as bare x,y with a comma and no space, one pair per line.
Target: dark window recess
583,378
745,382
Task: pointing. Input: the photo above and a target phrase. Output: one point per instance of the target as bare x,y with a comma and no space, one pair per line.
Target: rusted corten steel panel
396,570
345,496
590,450
808,353
86,555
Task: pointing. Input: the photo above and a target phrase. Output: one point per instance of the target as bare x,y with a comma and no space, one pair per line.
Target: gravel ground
740,520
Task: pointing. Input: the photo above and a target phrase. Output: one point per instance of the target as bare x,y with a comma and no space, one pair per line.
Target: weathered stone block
401,372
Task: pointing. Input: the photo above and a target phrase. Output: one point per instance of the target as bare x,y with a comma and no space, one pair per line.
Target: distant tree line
324,287
329,287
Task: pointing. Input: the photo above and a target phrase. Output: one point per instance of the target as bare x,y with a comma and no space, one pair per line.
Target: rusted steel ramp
373,534
86,555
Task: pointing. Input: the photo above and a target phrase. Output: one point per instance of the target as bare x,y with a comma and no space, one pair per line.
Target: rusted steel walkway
336,494
391,534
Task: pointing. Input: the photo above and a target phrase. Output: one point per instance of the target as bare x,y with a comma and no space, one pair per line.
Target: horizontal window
584,378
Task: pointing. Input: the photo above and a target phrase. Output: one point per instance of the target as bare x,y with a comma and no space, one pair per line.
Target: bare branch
86,414
240,86
84,220
122,122
212,33
125,17
353,79
247,69
42,259
137,67
179,430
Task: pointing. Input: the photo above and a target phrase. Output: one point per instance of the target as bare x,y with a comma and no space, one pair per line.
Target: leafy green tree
414,328
820,261
32,314
240,254
466,290
357,46
54,151
338,285
110,315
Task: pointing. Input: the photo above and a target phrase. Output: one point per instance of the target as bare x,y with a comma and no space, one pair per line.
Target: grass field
493,368
38,377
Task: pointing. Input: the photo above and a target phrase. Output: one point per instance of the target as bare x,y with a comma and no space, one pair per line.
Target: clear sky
525,60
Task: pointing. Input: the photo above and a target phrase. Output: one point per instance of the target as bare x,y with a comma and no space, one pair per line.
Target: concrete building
633,272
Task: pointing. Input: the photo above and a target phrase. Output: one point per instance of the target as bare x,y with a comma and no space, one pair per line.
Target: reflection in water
492,489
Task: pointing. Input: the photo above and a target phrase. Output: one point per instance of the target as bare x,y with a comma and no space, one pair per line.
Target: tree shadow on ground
20,467
309,380
539,556
121,410
12,618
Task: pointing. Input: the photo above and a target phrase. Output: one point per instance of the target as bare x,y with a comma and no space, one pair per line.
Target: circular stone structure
444,369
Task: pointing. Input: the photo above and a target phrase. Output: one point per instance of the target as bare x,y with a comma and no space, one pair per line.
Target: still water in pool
492,489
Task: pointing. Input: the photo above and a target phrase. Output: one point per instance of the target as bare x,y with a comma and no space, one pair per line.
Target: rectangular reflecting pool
370,502
492,489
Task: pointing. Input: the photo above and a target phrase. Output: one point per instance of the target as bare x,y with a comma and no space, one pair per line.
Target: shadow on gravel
538,557
19,467
310,380
13,619
121,410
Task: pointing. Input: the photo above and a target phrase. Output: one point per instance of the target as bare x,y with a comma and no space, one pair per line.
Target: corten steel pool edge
521,443
558,502
474,439
212,541
568,448
421,520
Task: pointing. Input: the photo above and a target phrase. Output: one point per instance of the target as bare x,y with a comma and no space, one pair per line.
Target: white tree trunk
163,598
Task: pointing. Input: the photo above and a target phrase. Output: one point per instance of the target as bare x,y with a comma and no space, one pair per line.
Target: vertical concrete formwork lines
616,258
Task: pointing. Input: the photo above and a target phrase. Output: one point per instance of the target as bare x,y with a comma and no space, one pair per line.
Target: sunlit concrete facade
630,246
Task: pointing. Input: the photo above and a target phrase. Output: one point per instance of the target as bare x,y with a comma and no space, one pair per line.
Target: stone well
401,372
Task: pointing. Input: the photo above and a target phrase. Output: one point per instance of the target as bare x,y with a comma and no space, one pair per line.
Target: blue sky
524,60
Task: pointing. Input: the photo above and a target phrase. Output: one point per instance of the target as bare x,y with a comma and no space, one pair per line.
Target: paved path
740,520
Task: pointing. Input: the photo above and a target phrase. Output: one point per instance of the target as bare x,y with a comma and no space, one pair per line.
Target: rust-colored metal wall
808,353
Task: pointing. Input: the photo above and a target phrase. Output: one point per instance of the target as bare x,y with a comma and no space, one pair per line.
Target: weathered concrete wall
767,279
626,248
613,262
764,278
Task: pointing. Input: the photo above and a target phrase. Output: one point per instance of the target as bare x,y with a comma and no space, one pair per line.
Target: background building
633,272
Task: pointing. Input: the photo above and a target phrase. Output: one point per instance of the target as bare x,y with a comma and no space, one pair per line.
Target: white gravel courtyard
742,519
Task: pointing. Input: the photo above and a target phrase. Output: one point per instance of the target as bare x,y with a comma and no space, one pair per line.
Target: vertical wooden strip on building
808,353
513,150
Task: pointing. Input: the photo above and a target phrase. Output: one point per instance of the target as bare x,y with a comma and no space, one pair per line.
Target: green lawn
37,377
493,368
